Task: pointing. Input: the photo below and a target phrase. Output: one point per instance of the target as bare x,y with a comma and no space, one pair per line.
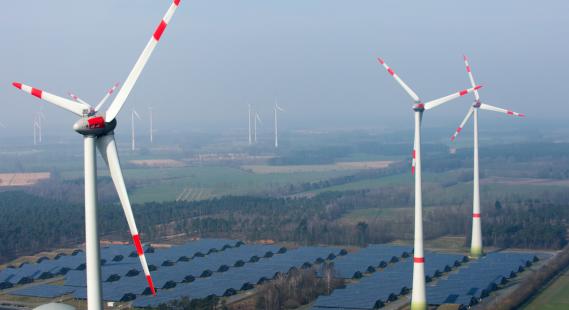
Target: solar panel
235,279
385,285
44,290
477,279
374,256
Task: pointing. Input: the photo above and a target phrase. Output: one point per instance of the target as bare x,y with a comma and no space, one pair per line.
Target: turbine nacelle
94,125
419,107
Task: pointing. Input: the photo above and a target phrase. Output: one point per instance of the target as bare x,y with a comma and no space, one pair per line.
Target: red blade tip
151,285
380,60
465,58
477,87
177,2
17,85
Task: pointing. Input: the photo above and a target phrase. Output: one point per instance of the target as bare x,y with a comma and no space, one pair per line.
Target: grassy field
194,183
353,165
554,297
369,214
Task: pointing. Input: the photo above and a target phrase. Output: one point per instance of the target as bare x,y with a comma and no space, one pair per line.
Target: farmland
554,297
22,179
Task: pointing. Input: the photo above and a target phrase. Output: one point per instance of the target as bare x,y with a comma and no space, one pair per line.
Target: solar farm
375,275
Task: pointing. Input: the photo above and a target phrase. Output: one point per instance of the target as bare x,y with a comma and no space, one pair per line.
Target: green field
362,215
554,297
195,183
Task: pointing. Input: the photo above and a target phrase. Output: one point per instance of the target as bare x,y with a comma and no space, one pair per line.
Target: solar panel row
386,285
116,257
241,278
167,277
468,285
368,259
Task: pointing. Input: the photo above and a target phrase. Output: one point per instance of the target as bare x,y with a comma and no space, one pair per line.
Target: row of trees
30,224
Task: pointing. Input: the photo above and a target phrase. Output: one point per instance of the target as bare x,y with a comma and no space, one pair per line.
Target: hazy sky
317,56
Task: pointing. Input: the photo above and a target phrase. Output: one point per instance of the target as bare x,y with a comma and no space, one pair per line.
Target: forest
511,222
50,215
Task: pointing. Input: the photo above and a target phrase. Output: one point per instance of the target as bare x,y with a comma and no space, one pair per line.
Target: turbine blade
400,81
258,117
279,108
488,107
471,77
136,114
76,98
459,129
437,102
107,95
71,106
128,84
108,149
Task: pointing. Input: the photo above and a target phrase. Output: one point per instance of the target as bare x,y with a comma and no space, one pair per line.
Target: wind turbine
132,135
249,119
418,297
35,126
40,119
476,249
277,108
257,118
98,131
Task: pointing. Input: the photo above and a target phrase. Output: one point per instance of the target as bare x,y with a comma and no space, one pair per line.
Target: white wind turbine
257,118
476,249
418,297
133,114
277,108
35,127
249,119
97,129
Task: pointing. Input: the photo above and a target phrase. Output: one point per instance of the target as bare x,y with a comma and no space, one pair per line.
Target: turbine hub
94,125
419,107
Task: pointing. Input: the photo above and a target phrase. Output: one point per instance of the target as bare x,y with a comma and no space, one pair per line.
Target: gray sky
317,56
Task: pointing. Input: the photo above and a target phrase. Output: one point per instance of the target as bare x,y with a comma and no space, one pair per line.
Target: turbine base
476,252
419,305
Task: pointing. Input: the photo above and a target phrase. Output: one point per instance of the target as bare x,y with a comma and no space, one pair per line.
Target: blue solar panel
385,285
367,260
44,290
221,283
478,278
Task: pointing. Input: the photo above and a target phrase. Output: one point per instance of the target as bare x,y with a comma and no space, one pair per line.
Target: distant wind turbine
249,119
257,118
418,296
476,249
277,108
132,133
35,127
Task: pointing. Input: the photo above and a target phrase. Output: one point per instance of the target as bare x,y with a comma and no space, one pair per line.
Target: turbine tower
257,118
476,249
41,118
249,119
418,297
97,129
35,126
132,134
277,108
